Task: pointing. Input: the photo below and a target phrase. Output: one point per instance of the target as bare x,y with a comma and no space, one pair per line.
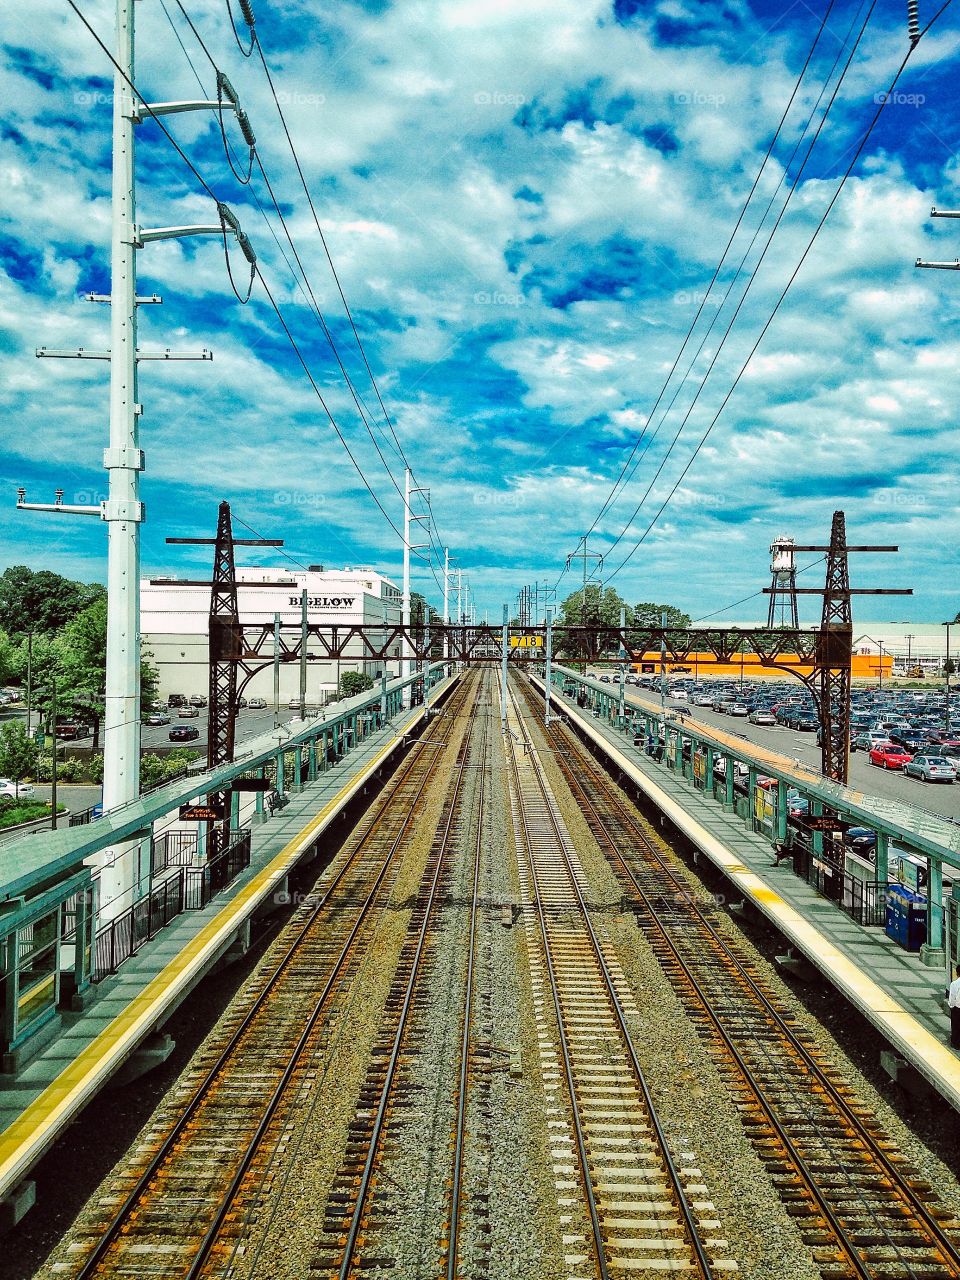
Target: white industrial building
918,644
175,615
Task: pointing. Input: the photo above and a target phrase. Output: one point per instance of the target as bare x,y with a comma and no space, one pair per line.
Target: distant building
175,625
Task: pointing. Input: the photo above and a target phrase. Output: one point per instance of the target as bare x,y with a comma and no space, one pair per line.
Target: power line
730,287
620,481
865,137
753,595
756,182
257,271
743,298
435,544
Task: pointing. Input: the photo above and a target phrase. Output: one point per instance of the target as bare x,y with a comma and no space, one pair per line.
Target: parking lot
250,724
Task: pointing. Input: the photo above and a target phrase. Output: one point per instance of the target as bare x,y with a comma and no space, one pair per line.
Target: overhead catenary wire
794,185
257,270
732,236
882,100
435,544
621,481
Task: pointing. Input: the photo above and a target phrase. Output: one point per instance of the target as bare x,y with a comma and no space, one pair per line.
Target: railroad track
178,1209
366,1198
645,1211
858,1205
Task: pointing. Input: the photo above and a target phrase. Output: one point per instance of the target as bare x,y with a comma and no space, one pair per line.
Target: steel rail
461,1121
938,1240
686,1211
115,1227
366,1176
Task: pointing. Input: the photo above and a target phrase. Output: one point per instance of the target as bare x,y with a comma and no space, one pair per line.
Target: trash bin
906,918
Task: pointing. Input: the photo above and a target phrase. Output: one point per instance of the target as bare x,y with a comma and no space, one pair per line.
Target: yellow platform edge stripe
22,1142
933,1059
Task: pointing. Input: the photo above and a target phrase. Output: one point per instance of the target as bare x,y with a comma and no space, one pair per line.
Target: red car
889,756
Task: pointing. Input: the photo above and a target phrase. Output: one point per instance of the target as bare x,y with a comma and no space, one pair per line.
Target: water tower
783,588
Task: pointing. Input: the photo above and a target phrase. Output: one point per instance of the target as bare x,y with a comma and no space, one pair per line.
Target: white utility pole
123,460
405,665
409,519
446,600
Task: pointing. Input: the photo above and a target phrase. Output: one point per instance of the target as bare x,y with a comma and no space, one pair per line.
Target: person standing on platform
953,999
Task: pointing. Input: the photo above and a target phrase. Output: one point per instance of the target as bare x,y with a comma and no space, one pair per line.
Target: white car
19,791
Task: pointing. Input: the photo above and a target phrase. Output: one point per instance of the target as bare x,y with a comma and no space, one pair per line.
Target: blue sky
525,202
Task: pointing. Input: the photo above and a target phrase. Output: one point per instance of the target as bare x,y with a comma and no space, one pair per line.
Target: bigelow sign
326,602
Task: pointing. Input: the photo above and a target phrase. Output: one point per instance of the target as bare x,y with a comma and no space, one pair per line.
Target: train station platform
898,994
121,1029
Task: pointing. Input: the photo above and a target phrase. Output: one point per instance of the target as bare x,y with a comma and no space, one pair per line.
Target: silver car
930,769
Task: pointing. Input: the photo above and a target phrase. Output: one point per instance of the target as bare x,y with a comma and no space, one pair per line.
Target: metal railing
865,901
174,849
187,889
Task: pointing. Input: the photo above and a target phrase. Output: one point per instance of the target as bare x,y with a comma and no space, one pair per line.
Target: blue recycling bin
906,918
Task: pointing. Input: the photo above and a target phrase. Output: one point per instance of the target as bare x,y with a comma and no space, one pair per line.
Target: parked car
861,841
931,769
867,740
156,717
798,806
889,756
909,739
73,729
806,724
762,717
738,709
184,733
241,702
197,700
188,713
256,704
18,790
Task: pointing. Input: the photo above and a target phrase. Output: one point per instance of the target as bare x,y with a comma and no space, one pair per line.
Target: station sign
526,642
825,822
202,813
250,784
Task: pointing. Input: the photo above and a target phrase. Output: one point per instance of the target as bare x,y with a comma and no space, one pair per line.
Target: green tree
596,608
18,752
81,654
9,658
352,683
41,601
648,614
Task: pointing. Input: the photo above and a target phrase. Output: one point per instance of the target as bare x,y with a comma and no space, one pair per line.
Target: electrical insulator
913,20
247,249
226,89
246,129
246,8
229,217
